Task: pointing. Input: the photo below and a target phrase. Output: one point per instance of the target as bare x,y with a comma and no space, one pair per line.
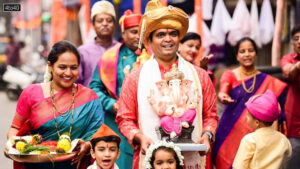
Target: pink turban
264,107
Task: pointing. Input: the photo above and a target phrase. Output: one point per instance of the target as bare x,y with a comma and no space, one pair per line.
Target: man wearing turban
109,74
161,29
103,16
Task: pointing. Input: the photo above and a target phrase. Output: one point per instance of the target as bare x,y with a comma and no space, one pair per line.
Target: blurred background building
40,23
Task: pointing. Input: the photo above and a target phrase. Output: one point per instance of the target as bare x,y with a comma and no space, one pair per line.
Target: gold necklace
56,110
242,73
246,72
53,101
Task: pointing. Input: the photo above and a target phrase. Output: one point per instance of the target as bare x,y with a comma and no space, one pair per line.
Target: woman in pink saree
58,106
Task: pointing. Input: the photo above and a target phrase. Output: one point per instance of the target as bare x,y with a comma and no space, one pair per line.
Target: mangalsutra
242,73
246,72
56,110
53,101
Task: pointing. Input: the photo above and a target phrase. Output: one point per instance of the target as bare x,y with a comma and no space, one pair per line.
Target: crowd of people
96,94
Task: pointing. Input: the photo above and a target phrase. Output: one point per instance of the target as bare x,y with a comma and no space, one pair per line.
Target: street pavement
7,109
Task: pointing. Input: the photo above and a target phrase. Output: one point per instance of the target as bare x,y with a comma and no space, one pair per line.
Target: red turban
129,19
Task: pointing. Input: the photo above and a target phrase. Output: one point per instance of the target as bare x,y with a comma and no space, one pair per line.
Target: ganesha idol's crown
174,74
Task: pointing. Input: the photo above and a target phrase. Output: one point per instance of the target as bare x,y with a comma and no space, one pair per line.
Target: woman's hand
84,149
225,98
204,140
11,133
6,153
204,61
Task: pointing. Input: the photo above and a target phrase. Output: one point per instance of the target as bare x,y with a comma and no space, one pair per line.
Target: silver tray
191,147
41,158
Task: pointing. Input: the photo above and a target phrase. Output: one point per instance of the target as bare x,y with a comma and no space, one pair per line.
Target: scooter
16,80
19,78
3,84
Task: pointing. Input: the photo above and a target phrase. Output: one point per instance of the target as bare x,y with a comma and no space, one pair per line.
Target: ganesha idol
175,102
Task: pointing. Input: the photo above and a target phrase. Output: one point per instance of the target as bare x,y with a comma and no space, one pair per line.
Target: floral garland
157,145
47,75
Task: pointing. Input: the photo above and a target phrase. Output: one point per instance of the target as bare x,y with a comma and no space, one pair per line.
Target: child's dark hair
111,138
178,166
295,30
265,123
60,48
236,50
191,36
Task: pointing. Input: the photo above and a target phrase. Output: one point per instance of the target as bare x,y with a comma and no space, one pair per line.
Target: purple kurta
90,54
12,52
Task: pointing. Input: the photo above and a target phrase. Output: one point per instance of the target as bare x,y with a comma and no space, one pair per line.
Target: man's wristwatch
210,136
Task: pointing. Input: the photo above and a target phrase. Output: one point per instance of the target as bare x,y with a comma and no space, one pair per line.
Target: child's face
252,122
106,154
164,160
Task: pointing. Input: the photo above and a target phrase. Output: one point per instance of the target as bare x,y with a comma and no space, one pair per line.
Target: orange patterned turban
158,16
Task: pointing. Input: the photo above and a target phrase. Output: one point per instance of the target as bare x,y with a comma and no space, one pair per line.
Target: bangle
210,135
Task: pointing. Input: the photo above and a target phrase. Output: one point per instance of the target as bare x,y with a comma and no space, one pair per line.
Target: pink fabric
32,102
31,95
170,124
264,107
189,116
174,123
107,69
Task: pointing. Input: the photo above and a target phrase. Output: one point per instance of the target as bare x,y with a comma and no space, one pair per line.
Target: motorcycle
3,84
19,78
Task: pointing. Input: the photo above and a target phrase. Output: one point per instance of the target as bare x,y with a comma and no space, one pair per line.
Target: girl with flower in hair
163,155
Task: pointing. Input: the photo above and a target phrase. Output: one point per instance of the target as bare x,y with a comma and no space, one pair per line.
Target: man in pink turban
265,147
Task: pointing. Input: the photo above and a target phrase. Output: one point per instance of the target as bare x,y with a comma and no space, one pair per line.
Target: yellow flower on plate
64,143
20,146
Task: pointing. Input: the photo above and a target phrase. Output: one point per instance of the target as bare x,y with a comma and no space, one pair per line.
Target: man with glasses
290,65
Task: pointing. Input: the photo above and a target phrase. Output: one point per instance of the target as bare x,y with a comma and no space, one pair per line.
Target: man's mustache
104,27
